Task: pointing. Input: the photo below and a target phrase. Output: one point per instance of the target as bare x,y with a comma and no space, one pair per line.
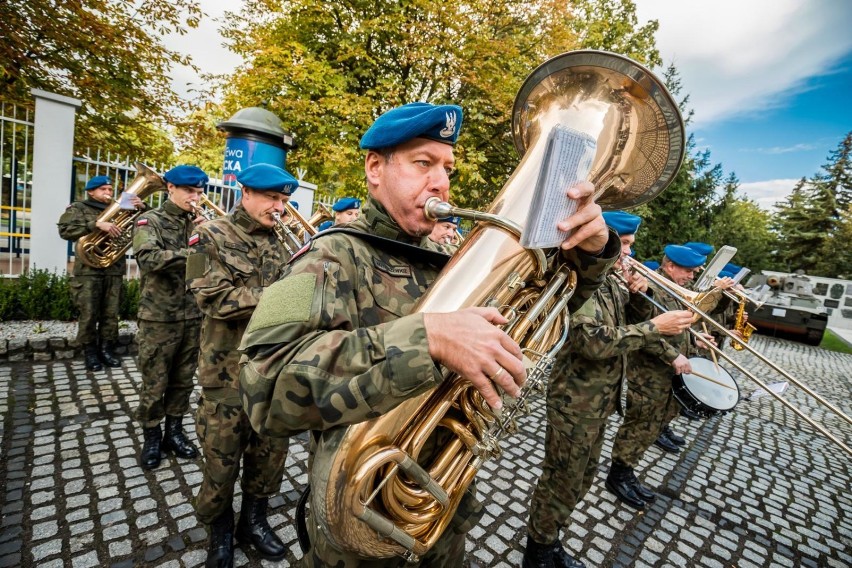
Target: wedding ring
497,374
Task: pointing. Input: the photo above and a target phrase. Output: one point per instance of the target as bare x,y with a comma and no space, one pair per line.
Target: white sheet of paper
568,159
125,202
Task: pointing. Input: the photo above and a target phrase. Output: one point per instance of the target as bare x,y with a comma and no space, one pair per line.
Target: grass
832,342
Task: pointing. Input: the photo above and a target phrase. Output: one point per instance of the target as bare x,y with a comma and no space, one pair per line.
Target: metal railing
16,154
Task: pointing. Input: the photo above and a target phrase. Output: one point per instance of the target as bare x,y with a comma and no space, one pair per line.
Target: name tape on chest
399,270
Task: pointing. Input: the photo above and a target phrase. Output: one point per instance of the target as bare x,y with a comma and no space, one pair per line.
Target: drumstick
712,380
712,353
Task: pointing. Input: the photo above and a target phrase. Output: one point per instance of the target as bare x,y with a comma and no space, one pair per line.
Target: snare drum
709,390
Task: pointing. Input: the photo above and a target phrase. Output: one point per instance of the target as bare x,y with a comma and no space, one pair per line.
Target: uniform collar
172,209
376,220
245,222
96,204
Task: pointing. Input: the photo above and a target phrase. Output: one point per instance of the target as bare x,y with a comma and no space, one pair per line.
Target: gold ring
497,374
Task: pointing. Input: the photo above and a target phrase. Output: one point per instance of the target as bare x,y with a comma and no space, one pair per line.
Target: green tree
838,172
329,69
107,53
739,222
797,244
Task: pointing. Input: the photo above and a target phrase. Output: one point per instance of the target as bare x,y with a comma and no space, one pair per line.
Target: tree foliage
107,53
329,69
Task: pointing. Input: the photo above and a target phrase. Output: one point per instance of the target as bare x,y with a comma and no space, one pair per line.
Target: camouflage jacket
589,371
77,221
231,260
335,343
160,243
650,368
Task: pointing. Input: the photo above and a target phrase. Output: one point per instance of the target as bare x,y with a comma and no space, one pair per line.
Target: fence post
53,151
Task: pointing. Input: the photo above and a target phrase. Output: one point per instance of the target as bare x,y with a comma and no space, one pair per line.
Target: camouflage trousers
97,297
572,449
647,412
226,437
168,357
448,552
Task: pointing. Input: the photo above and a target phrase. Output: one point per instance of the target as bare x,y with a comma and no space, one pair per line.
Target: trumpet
692,301
207,209
291,241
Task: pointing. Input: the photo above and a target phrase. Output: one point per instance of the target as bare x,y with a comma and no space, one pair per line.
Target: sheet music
125,202
568,158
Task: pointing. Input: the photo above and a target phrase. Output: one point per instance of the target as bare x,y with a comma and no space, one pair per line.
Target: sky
769,81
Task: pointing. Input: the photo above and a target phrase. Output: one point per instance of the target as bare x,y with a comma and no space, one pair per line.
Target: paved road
753,488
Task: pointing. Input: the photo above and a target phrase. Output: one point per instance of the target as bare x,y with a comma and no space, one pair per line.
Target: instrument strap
413,252
302,521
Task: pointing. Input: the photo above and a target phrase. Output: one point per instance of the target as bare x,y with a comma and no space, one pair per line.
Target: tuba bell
378,494
98,249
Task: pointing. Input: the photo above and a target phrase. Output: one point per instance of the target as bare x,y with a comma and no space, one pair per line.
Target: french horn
378,494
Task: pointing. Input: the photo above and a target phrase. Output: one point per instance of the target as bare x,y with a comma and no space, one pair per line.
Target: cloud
783,149
739,57
767,193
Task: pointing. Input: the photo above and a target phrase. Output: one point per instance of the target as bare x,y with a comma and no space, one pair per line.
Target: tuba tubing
375,494
675,291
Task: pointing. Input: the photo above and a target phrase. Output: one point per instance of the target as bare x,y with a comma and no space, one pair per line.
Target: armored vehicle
791,309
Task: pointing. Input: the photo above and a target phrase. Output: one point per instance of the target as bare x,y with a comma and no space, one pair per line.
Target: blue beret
414,120
684,256
295,204
97,182
622,222
266,177
727,274
325,225
732,268
701,248
451,219
652,264
346,203
190,176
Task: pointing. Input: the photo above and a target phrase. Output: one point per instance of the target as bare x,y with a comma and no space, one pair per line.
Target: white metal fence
16,154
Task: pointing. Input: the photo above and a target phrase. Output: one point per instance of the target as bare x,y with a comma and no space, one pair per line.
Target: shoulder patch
141,222
193,240
393,270
305,248
587,309
288,300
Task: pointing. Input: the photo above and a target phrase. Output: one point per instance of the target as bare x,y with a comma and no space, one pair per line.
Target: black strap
413,252
302,521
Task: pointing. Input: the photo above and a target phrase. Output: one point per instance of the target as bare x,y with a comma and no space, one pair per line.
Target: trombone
692,301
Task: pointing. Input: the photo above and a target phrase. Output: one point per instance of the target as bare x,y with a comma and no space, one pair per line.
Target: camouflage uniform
334,343
649,397
232,260
588,377
96,291
169,319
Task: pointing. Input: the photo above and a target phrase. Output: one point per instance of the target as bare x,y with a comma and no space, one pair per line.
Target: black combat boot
175,440
619,482
561,559
691,414
641,490
253,528
92,361
674,438
150,456
538,555
108,356
666,445
220,552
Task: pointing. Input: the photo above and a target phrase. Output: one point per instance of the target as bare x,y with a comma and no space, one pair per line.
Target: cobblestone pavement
756,487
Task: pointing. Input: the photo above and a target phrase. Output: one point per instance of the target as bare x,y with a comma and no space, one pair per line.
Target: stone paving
755,487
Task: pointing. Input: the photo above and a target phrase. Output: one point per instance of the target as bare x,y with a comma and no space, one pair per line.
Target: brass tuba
207,209
98,249
376,495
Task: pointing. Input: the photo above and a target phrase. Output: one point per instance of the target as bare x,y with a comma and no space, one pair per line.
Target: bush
42,295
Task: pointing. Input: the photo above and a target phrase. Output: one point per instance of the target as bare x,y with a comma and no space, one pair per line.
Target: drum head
721,393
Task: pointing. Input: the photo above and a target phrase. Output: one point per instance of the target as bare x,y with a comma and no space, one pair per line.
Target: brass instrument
291,241
321,215
376,495
98,249
305,228
207,209
686,297
742,327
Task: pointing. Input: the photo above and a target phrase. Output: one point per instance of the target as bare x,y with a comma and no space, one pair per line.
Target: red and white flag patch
141,222
194,239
